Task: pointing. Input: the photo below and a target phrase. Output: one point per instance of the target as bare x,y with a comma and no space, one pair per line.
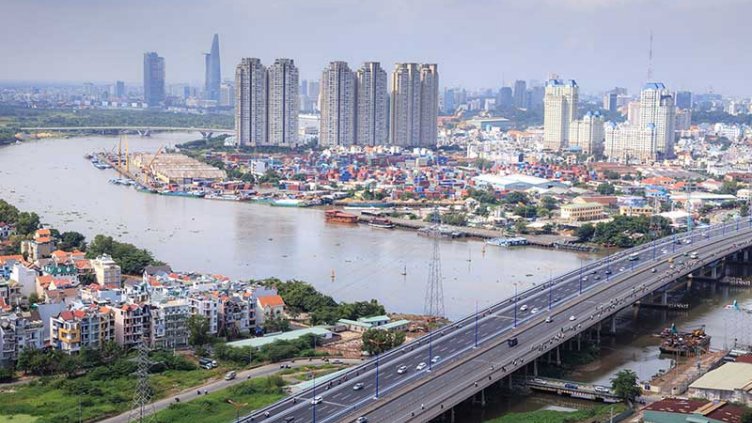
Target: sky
699,45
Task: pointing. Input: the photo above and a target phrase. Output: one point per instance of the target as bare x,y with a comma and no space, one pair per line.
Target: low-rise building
41,246
106,271
129,324
636,211
206,305
269,306
582,212
730,382
88,327
677,410
168,324
19,331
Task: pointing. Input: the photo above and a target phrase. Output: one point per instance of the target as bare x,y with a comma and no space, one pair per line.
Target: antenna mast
650,58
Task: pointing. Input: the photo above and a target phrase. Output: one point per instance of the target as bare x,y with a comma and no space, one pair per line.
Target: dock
542,241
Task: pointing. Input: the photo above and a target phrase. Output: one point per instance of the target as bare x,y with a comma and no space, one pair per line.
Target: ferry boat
337,216
381,222
225,197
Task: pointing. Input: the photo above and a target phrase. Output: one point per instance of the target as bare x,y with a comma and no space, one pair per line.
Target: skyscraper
505,97
250,103
520,94
372,100
610,101
120,89
560,110
154,79
429,104
650,136
588,134
414,105
282,92
448,106
213,76
337,105
657,108
405,105
684,99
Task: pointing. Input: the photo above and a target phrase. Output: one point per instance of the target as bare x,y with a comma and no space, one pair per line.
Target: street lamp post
313,410
515,304
476,324
580,276
377,376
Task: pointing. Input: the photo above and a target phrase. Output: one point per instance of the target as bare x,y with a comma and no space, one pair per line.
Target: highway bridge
451,364
144,130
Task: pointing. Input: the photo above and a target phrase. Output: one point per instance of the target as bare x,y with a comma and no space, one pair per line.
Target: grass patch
18,418
56,399
214,408
596,413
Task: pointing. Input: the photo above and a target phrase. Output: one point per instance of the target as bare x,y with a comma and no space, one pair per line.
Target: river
241,240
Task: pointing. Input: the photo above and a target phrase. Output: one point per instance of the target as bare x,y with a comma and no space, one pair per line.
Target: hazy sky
698,44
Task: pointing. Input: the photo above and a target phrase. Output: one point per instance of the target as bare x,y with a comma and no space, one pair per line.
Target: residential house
17,332
233,316
107,271
206,305
168,323
677,410
88,327
269,306
41,246
129,324
6,230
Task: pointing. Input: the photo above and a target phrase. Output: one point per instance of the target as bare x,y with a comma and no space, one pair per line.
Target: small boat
404,271
290,202
334,275
380,222
507,242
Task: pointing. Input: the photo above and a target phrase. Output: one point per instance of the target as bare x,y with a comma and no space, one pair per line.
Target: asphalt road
242,376
574,302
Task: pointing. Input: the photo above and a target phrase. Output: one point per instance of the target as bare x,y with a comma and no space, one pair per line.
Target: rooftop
729,377
284,336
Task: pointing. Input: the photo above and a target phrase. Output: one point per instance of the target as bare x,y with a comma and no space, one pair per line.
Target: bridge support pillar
612,329
548,357
509,378
598,334
535,367
664,298
558,355
745,255
579,342
483,397
451,416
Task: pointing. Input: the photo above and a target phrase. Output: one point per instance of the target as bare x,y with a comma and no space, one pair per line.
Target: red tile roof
271,301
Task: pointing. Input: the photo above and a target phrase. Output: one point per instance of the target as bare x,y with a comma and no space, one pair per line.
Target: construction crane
159,150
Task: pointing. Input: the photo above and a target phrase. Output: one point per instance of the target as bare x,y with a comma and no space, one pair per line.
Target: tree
131,259
606,189
729,187
27,223
8,212
625,385
377,341
744,210
33,298
198,326
516,197
747,417
585,232
548,202
72,241
276,324
520,226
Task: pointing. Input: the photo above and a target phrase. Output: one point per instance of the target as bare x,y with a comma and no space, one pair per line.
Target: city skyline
473,53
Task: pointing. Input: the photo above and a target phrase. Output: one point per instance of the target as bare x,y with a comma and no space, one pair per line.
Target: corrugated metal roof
728,377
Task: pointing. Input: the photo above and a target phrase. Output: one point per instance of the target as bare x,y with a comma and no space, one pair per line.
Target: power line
434,305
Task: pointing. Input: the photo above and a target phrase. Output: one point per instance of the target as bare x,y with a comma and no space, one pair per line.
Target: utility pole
142,393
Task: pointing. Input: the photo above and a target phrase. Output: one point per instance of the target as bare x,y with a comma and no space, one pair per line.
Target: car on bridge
421,366
358,386
572,318
512,342
549,319
435,359
317,400
524,307
402,369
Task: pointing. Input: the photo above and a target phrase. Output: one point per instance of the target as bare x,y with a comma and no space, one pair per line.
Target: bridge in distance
463,358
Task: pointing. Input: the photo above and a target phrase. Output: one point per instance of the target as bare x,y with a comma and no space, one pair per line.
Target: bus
633,257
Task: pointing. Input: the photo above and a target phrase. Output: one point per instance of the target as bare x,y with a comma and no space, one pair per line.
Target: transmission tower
434,305
142,410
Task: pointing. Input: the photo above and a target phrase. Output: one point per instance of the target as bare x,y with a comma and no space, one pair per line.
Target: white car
549,319
524,307
572,318
602,389
654,270
534,310
435,359
402,369
421,366
317,400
